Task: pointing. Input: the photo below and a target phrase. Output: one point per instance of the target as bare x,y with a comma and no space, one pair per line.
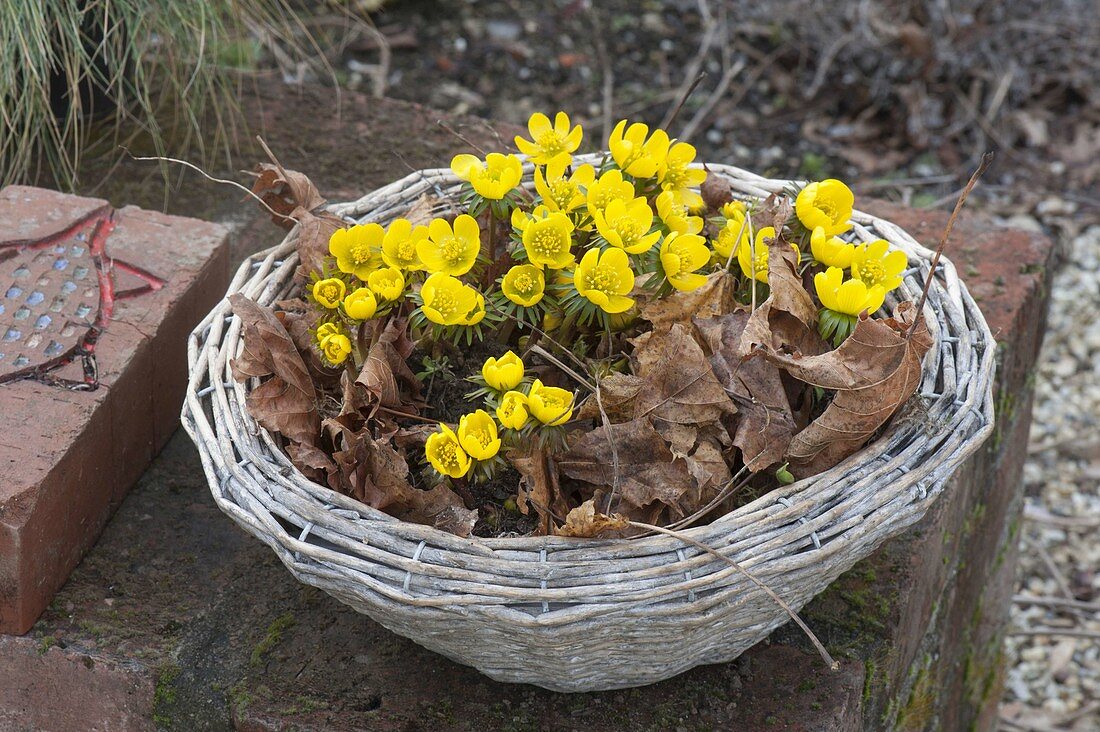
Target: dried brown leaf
373,472
715,191
650,477
787,321
585,521
873,372
716,297
764,424
287,401
386,372
315,464
538,487
296,200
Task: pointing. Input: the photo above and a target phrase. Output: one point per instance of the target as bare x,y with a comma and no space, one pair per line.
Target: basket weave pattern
584,614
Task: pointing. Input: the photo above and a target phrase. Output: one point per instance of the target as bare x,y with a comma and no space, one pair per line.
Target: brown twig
982,166
460,136
610,443
752,578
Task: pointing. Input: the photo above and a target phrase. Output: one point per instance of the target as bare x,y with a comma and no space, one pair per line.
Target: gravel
1053,681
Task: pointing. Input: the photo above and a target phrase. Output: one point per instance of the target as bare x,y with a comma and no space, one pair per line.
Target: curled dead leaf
287,401
715,297
873,372
715,190
585,521
787,321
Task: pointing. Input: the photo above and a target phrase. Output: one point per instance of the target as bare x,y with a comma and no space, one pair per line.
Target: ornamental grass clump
585,344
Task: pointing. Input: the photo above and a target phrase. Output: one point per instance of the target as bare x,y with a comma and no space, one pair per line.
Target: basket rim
753,186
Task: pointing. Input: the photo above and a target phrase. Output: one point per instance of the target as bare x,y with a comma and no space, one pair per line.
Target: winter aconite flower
329,292
627,225
503,373
512,411
873,264
360,304
831,251
634,153
605,279
477,434
549,240
357,249
333,343
827,204
733,234
549,142
387,282
731,209
754,261
451,251
848,298
492,178
681,256
674,174
674,213
607,188
549,404
399,245
560,192
445,453
446,300
477,313
524,284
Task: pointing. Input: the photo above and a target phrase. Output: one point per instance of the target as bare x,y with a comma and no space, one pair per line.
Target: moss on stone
272,638
164,694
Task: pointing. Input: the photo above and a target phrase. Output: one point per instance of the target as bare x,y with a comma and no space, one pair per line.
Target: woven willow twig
585,614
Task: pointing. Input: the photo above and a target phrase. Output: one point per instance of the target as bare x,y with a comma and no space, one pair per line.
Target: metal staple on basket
584,614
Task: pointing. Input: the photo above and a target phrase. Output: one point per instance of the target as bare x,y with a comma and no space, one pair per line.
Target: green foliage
83,76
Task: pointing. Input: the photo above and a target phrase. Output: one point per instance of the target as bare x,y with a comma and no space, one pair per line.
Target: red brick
50,688
67,458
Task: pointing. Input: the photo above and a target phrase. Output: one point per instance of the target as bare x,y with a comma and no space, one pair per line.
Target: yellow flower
512,411
327,329
524,284
827,204
357,249
609,187
336,348
445,453
681,256
605,279
730,209
503,373
477,434
675,214
831,251
627,225
674,174
558,192
758,266
388,283
494,178
549,404
633,153
477,313
873,265
399,245
549,142
548,240
329,293
727,239
360,304
446,300
450,251
849,298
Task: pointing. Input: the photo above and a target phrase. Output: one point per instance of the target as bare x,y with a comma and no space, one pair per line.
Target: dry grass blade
987,159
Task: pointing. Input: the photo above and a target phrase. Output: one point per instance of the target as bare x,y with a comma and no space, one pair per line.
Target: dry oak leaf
764,423
650,478
585,521
873,372
295,199
374,473
287,401
787,321
538,486
680,394
386,371
715,297
715,190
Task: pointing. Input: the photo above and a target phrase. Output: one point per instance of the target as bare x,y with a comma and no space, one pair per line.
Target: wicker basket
582,614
